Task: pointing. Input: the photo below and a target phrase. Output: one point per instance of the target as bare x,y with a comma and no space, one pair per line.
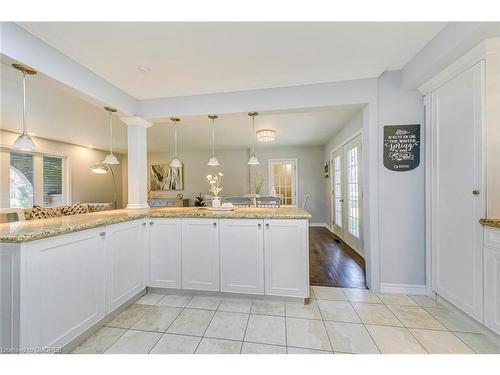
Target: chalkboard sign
401,147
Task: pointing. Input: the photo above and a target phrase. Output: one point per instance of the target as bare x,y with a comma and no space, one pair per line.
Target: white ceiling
198,58
57,112
306,127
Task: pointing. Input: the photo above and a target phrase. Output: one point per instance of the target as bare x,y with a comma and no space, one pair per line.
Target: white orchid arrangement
215,183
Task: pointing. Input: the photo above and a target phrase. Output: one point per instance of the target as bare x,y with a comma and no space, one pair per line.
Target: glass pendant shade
253,160
110,158
176,163
24,142
213,162
266,135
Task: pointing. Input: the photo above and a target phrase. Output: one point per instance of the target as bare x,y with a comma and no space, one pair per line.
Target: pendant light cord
25,130
175,139
110,134
213,137
253,135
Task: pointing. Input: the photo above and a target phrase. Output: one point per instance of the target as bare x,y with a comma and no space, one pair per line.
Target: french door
346,193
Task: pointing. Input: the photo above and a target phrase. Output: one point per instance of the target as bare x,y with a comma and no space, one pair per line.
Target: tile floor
338,320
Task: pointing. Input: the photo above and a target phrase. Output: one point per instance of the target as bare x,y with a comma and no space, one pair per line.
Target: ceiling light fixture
253,158
175,163
110,158
266,135
143,69
213,162
24,141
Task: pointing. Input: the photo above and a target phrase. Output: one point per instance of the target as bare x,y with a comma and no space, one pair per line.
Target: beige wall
233,165
309,172
85,186
354,125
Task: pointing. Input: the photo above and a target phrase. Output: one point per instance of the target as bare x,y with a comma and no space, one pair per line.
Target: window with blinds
52,181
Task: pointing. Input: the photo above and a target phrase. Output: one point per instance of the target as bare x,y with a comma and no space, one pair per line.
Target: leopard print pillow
75,209
39,212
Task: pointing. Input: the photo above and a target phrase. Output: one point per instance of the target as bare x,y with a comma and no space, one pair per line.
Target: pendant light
24,141
110,158
253,158
213,162
175,163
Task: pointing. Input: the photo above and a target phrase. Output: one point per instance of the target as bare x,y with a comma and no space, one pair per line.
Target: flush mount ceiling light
266,135
110,158
213,162
24,141
253,158
175,163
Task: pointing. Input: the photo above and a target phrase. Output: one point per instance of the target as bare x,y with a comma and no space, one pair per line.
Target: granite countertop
30,230
495,223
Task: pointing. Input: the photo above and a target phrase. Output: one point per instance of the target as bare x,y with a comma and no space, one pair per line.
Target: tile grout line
246,327
366,329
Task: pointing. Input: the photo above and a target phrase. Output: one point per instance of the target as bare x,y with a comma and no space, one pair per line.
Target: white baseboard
403,289
323,225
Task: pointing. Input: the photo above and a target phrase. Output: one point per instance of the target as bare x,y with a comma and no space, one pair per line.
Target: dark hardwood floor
333,263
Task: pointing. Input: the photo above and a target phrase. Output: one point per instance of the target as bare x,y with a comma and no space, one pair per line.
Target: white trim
137,206
322,225
476,54
388,288
137,121
347,140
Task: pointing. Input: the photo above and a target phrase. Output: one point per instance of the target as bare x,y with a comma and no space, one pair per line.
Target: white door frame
296,186
359,249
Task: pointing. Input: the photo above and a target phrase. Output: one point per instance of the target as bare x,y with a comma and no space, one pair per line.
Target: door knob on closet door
475,192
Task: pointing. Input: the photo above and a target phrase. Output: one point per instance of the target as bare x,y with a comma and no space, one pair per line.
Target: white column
137,161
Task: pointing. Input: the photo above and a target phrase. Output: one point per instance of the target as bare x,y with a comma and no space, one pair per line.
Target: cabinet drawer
492,237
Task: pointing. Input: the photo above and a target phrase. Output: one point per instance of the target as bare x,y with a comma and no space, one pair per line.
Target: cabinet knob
151,222
259,225
267,225
143,224
475,192
215,224
102,234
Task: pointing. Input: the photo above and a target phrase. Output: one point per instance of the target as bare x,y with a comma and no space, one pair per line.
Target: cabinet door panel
126,254
492,289
165,253
62,291
200,254
286,255
242,256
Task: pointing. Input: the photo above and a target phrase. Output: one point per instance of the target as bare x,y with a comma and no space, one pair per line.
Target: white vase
215,201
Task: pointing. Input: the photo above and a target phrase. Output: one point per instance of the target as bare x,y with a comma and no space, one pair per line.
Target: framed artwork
326,169
164,177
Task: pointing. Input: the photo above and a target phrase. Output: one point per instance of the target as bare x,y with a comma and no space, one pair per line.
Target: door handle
341,200
475,192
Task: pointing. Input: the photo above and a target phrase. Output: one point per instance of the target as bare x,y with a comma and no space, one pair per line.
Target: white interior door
457,196
346,193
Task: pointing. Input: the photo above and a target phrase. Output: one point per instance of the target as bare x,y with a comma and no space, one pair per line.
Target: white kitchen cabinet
200,254
61,288
125,262
164,258
242,256
286,258
492,279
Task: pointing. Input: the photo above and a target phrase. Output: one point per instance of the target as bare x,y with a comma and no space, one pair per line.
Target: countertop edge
494,223
34,236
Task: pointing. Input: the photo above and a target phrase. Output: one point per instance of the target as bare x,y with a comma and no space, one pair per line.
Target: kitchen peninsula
63,277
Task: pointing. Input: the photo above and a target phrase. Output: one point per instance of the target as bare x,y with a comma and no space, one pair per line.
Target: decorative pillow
75,209
39,212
